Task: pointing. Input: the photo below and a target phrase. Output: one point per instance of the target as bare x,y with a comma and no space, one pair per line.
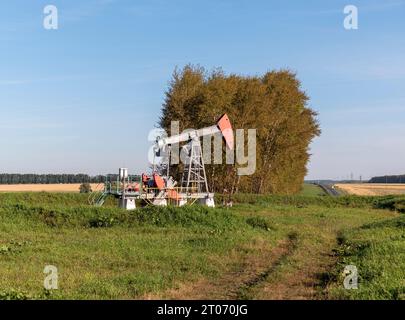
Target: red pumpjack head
224,124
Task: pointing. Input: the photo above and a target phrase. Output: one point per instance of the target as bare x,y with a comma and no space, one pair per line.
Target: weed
259,222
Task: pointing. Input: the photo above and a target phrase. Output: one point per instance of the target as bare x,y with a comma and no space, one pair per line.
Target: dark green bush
14,295
87,216
302,201
396,203
259,222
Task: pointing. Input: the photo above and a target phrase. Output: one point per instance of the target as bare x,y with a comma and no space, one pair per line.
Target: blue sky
84,97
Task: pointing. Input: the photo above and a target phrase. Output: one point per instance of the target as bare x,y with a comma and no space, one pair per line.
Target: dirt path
240,280
263,276
251,288
305,280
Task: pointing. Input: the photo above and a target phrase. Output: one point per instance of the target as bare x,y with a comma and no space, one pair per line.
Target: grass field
372,189
264,247
311,190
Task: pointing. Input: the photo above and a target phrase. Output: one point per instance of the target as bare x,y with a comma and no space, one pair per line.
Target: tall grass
93,217
396,203
378,252
48,198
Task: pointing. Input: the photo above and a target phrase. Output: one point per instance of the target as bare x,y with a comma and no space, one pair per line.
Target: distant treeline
389,179
15,178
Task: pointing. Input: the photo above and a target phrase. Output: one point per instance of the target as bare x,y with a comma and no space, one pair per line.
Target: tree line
15,178
388,179
274,104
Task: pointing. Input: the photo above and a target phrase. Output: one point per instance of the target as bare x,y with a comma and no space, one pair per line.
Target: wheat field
372,189
62,187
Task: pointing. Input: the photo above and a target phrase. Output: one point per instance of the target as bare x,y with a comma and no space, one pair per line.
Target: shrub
259,222
85,188
14,295
396,203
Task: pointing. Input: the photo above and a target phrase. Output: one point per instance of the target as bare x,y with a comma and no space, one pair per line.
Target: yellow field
74,187
372,189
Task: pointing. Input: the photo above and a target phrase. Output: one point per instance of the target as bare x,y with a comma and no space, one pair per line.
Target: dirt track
74,187
372,189
256,277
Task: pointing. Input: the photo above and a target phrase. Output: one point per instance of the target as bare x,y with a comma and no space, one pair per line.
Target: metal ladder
98,197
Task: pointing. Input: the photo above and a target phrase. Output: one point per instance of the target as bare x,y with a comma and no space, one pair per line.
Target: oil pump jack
162,189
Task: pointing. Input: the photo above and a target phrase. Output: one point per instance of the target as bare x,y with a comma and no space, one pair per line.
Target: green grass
378,251
311,190
109,253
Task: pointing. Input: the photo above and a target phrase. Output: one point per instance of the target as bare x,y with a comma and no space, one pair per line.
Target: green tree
274,104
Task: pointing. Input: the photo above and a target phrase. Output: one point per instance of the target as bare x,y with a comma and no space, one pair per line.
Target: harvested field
74,187
372,189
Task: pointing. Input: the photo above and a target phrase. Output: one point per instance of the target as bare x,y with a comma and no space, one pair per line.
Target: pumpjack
161,189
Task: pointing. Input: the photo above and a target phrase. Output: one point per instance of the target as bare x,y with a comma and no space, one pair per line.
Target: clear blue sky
84,97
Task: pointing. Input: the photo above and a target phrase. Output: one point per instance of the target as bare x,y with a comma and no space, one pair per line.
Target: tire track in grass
303,278
246,291
237,282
